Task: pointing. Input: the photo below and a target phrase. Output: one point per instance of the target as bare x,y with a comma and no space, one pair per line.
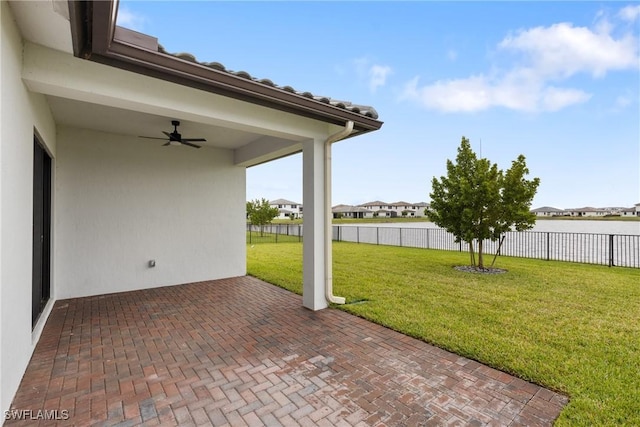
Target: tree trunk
498,251
480,261
472,255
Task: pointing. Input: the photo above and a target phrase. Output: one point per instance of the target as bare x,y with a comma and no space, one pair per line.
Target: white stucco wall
122,201
20,114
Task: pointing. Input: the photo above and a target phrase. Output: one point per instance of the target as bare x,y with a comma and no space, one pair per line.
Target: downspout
328,256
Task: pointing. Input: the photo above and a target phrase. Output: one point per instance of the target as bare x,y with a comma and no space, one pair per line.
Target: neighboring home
421,208
87,207
396,209
629,212
375,206
410,209
637,209
402,207
346,211
587,211
287,208
384,213
549,211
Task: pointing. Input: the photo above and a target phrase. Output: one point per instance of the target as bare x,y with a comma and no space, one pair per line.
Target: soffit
130,123
44,22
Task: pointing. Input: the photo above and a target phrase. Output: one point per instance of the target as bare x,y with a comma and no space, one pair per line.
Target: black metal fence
590,248
274,233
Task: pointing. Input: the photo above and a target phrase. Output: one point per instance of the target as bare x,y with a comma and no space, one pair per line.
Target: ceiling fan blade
193,139
190,144
151,137
168,134
168,143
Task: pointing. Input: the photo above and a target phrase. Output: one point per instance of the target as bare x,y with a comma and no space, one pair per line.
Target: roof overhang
97,38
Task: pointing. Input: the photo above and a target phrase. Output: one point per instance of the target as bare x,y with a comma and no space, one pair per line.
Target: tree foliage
260,213
477,201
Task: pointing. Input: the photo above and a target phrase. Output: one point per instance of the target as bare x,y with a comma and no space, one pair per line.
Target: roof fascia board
102,47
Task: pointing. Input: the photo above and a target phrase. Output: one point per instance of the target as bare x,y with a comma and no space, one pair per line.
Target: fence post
460,245
377,235
400,236
548,245
357,234
611,250
250,233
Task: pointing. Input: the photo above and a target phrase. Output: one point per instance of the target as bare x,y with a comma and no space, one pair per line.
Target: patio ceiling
47,23
120,121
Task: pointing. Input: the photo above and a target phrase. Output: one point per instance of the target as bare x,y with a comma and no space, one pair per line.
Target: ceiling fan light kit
176,138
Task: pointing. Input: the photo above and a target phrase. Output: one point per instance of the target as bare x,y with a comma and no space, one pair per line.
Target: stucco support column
313,295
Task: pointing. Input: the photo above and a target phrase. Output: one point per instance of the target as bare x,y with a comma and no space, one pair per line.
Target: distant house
587,211
385,213
421,208
392,210
346,211
549,211
375,206
637,209
287,208
629,212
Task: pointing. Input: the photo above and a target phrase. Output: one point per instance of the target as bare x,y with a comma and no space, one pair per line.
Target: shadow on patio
243,352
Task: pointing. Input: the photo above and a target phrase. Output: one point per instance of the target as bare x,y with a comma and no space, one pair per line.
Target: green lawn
574,328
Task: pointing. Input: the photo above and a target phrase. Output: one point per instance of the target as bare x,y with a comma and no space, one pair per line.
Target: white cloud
478,93
378,76
622,102
563,50
554,98
130,20
375,75
629,13
546,56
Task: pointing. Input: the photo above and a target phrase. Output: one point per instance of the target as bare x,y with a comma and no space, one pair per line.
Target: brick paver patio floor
242,352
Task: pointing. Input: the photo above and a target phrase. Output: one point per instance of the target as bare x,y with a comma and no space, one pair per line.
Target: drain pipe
328,256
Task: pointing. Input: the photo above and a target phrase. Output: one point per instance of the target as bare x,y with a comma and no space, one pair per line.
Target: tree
261,213
477,201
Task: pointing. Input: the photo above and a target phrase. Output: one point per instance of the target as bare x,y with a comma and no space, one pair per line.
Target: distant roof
586,209
347,208
376,203
282,202
400,203
547,209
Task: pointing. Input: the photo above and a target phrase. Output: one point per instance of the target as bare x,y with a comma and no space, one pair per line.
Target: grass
573,328
424,219
589,218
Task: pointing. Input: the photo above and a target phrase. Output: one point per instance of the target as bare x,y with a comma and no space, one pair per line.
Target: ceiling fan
175,138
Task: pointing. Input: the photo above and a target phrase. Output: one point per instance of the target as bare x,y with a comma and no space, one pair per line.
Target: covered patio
240,351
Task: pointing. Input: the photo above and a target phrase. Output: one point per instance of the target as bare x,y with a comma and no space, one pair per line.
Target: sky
558,82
